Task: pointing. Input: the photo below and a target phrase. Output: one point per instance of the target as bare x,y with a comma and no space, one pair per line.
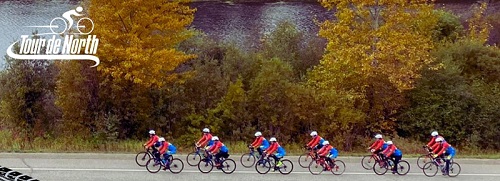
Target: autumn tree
138,39
375,50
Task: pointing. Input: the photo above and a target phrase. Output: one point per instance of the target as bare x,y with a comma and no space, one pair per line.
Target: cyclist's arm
257,142
313,142
152,141
163,148
271,149
435,148
431,143
323,151
443,149
202,140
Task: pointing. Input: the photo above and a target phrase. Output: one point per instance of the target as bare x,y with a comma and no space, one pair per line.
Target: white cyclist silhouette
59,25
74,12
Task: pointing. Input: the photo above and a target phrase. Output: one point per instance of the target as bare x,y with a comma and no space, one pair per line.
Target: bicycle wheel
304,160
286,167
403,167
176,166
263,167
381,167
422,160
228,166
142,158
85,26
316,167
193,159
430,169
247,160
152,166
454,169
338,167
367,162
58,25
205,166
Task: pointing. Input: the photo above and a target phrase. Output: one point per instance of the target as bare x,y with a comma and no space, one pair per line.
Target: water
244,23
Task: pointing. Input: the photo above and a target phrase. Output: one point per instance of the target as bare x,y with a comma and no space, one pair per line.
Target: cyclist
432,142
219,150
260,142
376,147
205,140
275,147
393,153
444,150
166,149
316,142
153,138
329,153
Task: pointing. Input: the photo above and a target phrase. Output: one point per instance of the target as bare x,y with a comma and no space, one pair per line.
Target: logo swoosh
53,57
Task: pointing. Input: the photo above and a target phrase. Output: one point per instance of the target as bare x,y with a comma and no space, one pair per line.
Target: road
103,167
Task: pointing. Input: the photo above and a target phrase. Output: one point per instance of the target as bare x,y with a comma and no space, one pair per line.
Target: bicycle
227,165
248,159
175,165
269,162
381,167
144,156
366,161
337,167
59,26
430,169
194,157
304,158
425,158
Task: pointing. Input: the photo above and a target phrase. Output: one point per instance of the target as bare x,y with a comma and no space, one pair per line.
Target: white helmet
215,138
206,130
439,139
326,143
161,139
258,133
434,133
389,143
378,136
152,132
314,133
272,139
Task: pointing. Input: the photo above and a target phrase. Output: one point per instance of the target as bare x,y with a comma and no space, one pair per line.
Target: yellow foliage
375,50
389,38
479,28
138,39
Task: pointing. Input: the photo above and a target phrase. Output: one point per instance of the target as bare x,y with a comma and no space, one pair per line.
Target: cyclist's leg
156,153
217,158
396,161
259,150
448,157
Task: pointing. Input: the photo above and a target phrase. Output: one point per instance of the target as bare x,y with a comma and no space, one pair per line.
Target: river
244,23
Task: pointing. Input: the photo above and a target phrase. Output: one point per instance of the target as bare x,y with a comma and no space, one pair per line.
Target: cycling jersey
260,142
317,141
152,140
325,150
218,146
392,150
433,142
377,145
206,140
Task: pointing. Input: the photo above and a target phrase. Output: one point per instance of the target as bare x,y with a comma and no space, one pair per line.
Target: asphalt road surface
122,167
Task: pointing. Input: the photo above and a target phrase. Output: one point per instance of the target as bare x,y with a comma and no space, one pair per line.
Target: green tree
27,98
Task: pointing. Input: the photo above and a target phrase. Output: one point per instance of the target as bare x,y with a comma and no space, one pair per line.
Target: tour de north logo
68,39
